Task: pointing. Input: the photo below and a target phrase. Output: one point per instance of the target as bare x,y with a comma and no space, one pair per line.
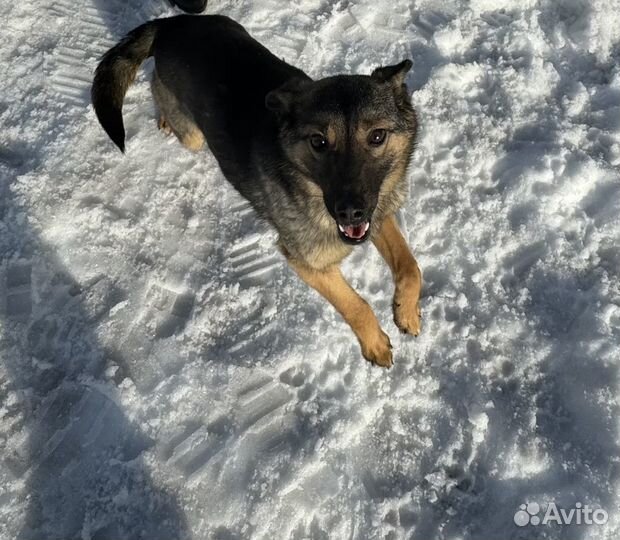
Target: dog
323,161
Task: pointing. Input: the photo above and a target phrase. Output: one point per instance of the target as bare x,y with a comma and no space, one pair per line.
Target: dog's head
351,135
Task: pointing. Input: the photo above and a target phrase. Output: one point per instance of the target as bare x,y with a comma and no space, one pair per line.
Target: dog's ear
281,99
394,74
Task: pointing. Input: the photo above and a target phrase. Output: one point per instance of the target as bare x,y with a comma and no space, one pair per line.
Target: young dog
323,161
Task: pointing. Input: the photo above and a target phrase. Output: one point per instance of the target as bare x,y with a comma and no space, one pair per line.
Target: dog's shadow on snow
70,440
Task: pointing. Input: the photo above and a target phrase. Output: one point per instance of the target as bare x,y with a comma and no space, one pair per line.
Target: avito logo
529,514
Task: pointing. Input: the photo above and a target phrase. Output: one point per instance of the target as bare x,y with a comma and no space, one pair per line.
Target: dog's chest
306,229
322,246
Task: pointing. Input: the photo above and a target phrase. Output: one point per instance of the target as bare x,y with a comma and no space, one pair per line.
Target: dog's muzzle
352,215
354,234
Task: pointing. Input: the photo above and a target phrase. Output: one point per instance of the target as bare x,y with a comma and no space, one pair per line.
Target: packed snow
165,375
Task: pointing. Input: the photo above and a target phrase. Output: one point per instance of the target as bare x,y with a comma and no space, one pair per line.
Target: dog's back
211,65
222,75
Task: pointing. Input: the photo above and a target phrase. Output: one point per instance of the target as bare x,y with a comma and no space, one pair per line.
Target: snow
165,375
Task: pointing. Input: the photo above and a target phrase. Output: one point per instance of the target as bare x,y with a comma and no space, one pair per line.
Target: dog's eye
318,142
377,137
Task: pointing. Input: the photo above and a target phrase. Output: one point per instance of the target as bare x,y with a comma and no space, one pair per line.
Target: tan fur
330,250
194,140
331,284
174,118
163,125
407,276
324,256
393,191
336,132
399,145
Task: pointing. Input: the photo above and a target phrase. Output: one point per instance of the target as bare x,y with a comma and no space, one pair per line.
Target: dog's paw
164,126
406,307
378,349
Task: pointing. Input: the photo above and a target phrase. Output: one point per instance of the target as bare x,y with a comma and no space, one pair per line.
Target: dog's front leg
407,276
331,284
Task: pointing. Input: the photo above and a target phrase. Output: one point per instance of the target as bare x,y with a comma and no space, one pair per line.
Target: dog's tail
115,73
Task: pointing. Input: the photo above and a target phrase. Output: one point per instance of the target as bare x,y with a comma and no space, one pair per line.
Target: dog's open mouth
354,234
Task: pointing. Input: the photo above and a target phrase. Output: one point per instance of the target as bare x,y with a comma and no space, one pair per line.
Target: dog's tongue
355,231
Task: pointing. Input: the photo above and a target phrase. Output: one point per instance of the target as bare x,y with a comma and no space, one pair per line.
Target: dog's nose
348,212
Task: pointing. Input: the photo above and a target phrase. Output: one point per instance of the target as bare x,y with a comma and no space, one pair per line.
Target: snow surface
164,375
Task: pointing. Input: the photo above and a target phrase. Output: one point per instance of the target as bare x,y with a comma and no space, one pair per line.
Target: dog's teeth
340,227
366,227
